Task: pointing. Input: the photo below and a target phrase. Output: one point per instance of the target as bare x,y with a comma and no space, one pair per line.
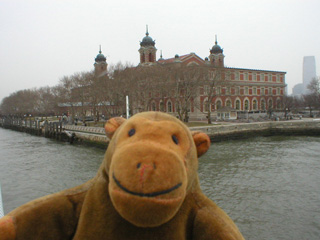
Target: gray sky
43,40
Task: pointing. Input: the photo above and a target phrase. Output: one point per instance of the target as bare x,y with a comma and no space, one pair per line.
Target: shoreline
95,136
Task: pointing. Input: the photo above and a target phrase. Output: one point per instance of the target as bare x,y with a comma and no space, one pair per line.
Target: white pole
127,105
1,205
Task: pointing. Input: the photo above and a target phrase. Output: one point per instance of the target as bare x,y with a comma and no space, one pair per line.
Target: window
151,57
246,105
218,90
237,104
228,103
142,59
254,104
263,105
270,104
270,91
153,106
254,77
206,106
246,90
237,90
161,106
218,104
228,90
262,91
254,91
169,107
278,91
228,76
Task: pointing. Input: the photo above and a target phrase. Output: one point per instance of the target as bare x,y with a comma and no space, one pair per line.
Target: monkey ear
202,142
112,125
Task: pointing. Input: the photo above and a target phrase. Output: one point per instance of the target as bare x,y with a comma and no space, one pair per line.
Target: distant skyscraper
309,71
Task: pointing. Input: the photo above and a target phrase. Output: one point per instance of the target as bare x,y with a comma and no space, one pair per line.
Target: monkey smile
152,194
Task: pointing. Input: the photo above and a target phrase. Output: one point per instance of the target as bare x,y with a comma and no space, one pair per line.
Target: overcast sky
43,40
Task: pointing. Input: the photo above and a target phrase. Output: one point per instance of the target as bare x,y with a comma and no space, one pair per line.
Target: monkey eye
175,139
131,132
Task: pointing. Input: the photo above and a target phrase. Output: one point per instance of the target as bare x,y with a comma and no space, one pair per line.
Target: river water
269,186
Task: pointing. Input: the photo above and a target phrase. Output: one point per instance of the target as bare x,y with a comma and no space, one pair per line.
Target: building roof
186,59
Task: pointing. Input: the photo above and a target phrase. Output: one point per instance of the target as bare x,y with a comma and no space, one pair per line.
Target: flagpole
127,106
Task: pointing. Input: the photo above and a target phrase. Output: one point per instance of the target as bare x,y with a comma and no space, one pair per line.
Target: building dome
100,57
216,49
147,41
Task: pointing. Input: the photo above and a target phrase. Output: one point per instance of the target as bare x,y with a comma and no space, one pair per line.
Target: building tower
309,72
100,65
147,50
216,55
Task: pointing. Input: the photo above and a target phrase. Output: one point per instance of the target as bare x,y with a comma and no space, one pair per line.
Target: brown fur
146,188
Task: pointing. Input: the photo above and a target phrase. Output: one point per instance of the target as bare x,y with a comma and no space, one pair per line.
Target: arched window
228,103
238,104
142,58
161,106
246,105
169,107
153,106
270,104
206,105
254,104
263,105
150,57
218,104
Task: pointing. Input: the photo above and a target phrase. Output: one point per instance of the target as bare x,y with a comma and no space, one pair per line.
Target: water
269,186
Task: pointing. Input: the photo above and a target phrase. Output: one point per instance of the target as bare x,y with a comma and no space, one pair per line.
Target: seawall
229,131
219,133
246,130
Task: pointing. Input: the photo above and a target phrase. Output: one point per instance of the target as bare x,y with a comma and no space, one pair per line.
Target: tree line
106,93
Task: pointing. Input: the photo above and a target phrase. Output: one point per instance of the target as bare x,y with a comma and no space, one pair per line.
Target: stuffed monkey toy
147,187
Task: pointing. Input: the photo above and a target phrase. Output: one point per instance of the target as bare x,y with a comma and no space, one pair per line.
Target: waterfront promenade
217,132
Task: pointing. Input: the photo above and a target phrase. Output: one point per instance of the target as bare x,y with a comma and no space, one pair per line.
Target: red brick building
243,90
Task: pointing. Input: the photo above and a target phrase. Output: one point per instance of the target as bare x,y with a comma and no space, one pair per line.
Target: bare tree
310,101
288,104
314,88
47,101
65,96
212,82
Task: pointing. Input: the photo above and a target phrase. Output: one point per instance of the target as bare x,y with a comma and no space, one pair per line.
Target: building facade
237,89
223,91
